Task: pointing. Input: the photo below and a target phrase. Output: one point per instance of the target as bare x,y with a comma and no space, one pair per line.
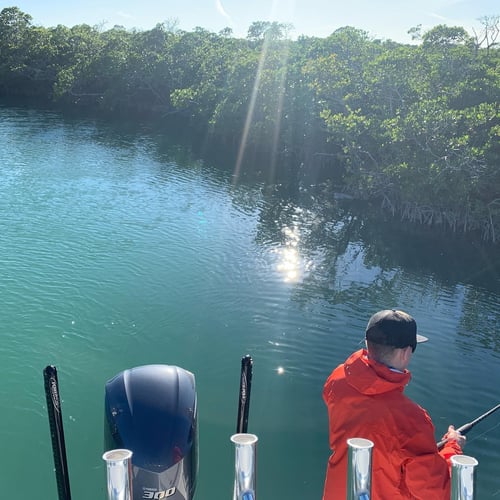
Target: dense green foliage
416,126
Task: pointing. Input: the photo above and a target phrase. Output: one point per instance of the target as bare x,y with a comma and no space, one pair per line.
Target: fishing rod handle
54,411
464,429
244,394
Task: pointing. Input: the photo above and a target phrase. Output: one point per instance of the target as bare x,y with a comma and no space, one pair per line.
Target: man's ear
408,351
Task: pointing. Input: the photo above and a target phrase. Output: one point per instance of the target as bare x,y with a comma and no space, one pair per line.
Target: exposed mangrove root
487,225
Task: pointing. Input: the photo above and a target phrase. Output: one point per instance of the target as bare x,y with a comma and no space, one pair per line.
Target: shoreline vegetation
413,128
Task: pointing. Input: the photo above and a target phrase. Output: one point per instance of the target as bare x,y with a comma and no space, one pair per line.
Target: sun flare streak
274,102
250,111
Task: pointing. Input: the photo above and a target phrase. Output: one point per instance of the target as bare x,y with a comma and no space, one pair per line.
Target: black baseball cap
394,328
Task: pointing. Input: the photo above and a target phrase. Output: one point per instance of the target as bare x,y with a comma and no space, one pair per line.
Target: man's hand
454,435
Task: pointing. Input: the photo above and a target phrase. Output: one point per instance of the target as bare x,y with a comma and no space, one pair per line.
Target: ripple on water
116,255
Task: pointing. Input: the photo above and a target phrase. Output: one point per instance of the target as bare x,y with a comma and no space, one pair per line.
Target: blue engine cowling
151,410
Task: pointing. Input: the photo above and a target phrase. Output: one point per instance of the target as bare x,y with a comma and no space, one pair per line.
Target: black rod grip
244,395
57,431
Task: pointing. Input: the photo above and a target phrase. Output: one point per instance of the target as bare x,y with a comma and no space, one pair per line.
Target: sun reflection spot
290,259
280,370
290,264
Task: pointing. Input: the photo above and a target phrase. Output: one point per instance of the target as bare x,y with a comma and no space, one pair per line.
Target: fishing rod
245,444
464,429
244,395
56,431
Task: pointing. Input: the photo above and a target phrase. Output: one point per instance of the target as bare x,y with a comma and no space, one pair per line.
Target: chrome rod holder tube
359,471
463,470
119,474
245,464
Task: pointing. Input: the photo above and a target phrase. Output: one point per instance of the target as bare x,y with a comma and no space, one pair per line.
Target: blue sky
381,18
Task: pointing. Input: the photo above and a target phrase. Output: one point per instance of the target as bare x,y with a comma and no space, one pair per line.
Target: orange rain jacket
365,399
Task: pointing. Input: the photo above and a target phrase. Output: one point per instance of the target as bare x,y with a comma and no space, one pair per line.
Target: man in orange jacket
364,397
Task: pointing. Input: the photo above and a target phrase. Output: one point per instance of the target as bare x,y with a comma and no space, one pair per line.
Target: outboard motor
151,410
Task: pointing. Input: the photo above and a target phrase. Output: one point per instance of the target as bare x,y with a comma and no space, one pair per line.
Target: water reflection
341,253
289,258
123,250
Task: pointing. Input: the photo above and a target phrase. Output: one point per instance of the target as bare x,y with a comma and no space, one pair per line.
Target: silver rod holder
119,474
245,462
462,477
359,472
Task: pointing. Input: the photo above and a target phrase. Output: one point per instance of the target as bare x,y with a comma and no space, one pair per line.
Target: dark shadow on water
450,257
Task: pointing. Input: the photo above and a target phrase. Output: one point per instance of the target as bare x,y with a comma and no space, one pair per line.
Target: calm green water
119,250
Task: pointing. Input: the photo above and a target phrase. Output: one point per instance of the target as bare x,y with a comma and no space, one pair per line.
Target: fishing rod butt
54,411
244,393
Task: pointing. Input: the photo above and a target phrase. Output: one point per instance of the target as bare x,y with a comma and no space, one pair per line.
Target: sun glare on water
290,261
